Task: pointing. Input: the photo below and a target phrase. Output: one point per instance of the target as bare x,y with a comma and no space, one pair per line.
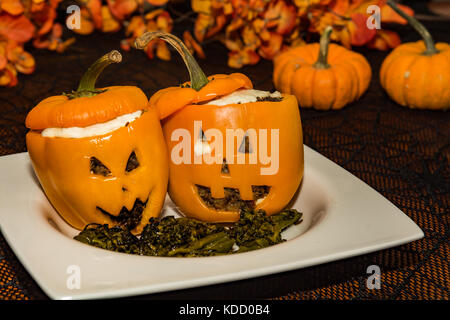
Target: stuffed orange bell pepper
231,147
100,154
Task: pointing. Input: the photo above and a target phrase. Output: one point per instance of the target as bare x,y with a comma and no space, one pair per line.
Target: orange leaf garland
19,29
13,7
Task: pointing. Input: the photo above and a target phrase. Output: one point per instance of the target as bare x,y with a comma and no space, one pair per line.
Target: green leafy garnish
185,237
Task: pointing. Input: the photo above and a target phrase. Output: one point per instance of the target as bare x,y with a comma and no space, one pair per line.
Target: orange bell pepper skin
180,107
62,166
171,99
283,115
62,112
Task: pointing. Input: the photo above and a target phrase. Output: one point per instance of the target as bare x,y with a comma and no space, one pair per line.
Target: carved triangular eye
245,146
202,136
225,169
97,167
132,163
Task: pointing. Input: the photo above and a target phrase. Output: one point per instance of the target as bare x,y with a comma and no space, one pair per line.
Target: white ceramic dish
342,217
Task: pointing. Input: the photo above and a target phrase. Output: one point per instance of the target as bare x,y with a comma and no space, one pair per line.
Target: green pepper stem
86,88
198,78
322,62
420,28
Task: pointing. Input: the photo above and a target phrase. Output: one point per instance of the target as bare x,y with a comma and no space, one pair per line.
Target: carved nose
124,189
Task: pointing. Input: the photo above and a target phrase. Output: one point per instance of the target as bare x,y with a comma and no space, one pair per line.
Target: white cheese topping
243,96
259,200
94,130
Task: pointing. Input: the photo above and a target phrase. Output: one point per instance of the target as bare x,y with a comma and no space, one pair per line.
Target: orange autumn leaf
62,46
8,76
3,59
86,24
48,24
201,6
155,20
250,38
36,7
153,14
45,16
234,44
13,7
258,24
339,7
3,62
162,51
125,45
121,9
384,40
149,50
136,27
235,25
238,59
304,6
95,9
359,32
164,22
193,45
295,39
388,15
157,2
22,60
202,24
287,19
53,40
19,28
280,15
46,41
220,22
110,24
272,47
227,8
207,25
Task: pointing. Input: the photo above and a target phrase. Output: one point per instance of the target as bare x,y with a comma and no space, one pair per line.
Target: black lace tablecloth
404,154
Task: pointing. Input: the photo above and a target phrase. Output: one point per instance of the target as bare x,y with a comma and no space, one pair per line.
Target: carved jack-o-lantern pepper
100,154
214,180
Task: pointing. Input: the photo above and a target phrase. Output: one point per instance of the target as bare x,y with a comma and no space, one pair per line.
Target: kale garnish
186,237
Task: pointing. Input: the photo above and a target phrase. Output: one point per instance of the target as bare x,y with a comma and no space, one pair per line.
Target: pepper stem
322,62
86,88
420,28
198,78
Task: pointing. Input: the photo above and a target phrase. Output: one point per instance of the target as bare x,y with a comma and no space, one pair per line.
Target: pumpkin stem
86,88
420,28
322,62
198,78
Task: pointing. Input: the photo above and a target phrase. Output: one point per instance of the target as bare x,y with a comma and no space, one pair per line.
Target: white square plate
342,217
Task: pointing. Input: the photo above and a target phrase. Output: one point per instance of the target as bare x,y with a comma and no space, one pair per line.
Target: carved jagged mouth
128,219
232,200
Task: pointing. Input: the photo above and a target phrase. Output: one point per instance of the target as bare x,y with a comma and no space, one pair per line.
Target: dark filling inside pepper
97,167
232,200
127,219
132,163
269,98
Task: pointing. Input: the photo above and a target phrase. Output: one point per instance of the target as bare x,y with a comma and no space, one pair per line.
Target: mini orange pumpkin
204,190
118,177
417,74
323,76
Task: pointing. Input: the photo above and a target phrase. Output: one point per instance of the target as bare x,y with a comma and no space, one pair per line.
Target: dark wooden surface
402,153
